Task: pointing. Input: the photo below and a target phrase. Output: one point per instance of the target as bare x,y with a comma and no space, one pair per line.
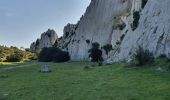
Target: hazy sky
22,21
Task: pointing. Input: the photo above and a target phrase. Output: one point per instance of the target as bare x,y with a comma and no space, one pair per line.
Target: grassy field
70,81
7,64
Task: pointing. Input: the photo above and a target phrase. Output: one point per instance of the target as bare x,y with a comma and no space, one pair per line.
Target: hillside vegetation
13,54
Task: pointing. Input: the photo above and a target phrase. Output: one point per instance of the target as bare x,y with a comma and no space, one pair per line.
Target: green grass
8,64
11,64
69,81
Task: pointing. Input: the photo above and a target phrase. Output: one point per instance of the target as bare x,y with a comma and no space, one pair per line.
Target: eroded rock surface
47,39
125,24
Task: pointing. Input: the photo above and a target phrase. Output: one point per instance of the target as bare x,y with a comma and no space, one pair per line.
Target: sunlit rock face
47,39
97,25
152,33
125,24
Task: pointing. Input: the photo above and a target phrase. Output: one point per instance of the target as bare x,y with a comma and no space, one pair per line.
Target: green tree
95,53
143,56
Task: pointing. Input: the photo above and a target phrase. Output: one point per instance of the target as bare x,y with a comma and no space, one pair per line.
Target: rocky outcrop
124,24
33,47
97,25
47,39
152,33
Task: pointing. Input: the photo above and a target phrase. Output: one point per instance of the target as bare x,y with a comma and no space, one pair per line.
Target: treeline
14,54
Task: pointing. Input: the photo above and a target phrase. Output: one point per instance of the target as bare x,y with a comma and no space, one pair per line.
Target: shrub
53,54
136,17
144,3
15,58
61,57
122,37
107,48
2,57
55,44
95,45
143,57
88,41
95,53
37,42
46,54
162,56
13,53
33,56
86,67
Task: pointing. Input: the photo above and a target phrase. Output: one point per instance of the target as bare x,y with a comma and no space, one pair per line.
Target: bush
107,48
33,57
46,54
87,68
15,58
55,44
136,17
61,57
143,57
163,56
95,53
88,41
53,54
11,52
144,3
2,57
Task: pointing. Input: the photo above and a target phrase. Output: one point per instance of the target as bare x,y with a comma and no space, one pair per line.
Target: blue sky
22,21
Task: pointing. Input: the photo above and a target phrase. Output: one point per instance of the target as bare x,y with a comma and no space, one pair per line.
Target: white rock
107,21
47,39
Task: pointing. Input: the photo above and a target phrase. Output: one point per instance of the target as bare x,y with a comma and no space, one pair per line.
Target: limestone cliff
47,39
152,33
124,24
100,20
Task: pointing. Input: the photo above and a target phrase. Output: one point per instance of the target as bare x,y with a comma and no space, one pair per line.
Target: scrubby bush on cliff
95,53
55,44
107,48
143,57
144,3
88,41
136,17
53,54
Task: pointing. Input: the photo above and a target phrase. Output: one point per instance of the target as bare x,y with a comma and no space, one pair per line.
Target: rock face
33,47
152,33
124,24
102,17
47,39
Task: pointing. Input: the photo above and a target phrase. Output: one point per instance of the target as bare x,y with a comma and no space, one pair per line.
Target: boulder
45,69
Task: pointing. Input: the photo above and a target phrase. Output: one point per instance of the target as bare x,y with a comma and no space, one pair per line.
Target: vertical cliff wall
152,33
125,24
100,20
